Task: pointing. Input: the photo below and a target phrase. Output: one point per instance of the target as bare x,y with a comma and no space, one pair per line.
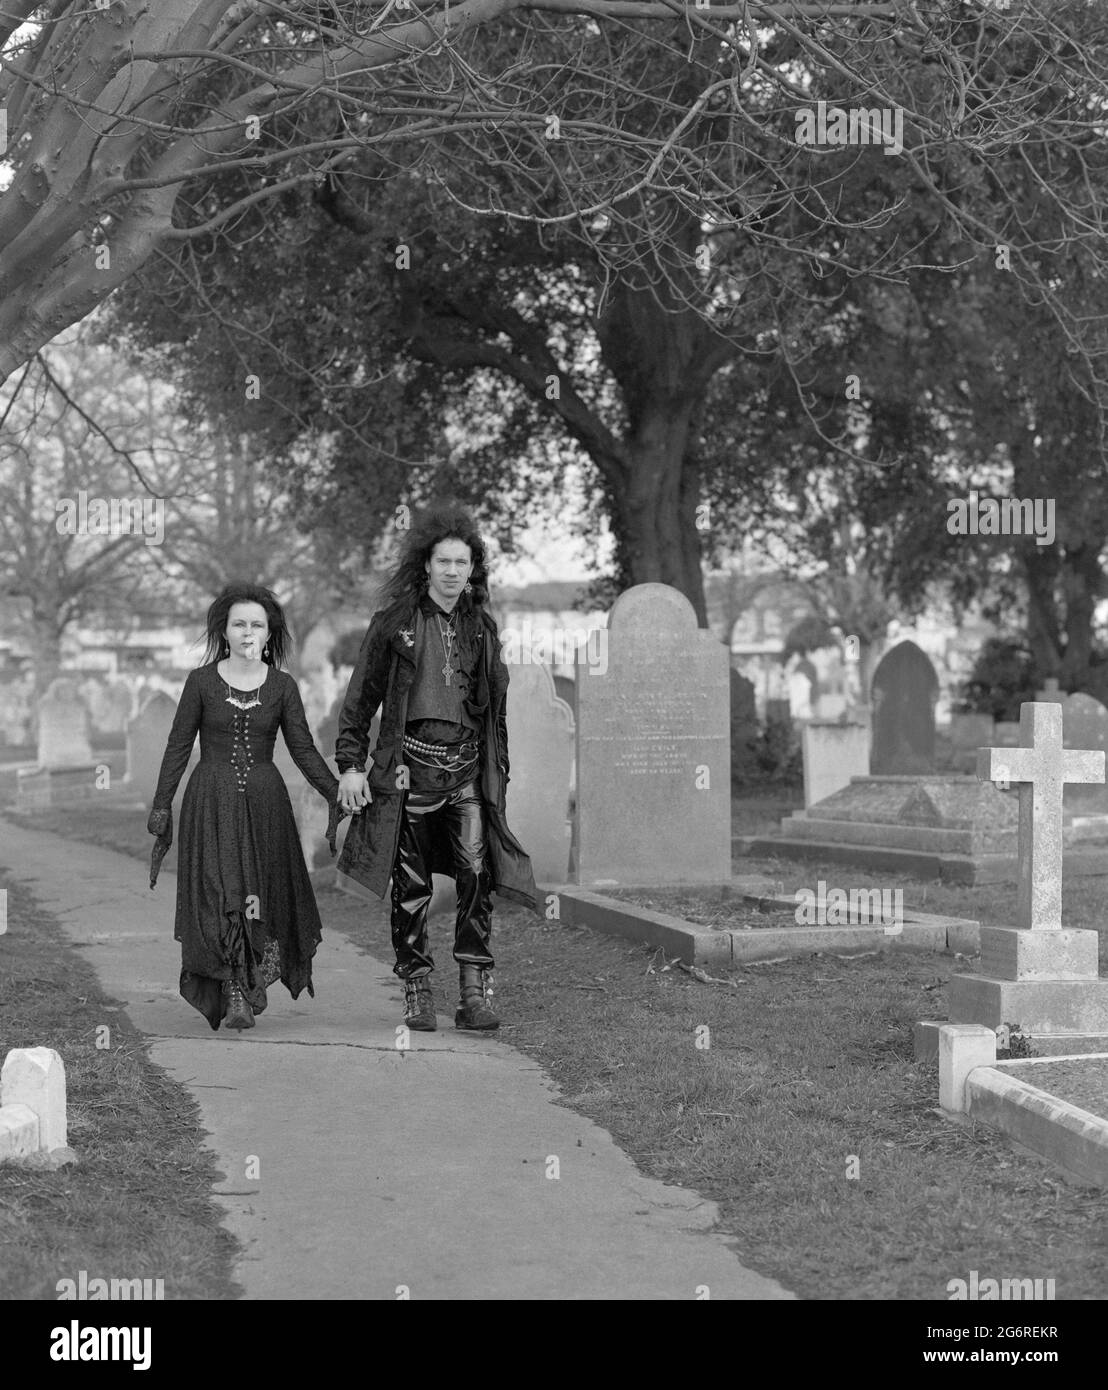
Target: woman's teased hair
441,521
279,640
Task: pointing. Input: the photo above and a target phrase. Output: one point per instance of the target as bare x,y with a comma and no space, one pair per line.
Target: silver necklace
233,699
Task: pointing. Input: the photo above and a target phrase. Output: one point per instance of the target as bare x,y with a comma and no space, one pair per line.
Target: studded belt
449,757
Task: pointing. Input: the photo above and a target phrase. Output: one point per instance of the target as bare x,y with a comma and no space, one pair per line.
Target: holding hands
353,791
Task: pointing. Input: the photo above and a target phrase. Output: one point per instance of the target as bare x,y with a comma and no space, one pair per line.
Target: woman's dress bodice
237,740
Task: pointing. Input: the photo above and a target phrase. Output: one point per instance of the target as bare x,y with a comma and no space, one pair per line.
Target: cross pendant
448,671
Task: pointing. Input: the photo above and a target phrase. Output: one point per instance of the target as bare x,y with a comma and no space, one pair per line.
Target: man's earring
468,588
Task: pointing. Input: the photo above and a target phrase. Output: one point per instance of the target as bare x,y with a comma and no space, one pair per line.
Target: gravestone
1084,722
16,712
540,747
834,752
905,689
565,687
969,732
1038,976
1050,693
147,734
63,727
110,707
1085,725
653,749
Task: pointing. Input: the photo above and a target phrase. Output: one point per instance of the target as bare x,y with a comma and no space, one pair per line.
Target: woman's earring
265,650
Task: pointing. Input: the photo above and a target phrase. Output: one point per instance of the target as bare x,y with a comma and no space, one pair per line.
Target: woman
246,913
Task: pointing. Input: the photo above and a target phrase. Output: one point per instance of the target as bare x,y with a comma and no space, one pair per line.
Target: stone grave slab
946,826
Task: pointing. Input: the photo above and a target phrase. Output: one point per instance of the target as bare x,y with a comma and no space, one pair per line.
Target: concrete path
354,1170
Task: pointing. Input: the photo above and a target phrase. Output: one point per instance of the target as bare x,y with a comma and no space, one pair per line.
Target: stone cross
1041,766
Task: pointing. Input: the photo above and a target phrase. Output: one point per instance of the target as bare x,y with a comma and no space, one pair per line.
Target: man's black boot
473,1007
419,1005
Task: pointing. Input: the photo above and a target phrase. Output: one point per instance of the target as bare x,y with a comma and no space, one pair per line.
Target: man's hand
353,793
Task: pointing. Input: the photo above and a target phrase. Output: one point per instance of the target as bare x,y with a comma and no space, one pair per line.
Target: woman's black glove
160,824
335,815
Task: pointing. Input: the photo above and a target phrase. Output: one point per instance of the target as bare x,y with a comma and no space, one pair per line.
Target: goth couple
431,800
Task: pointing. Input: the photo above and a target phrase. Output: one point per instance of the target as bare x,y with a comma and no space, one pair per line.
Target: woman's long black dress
245,906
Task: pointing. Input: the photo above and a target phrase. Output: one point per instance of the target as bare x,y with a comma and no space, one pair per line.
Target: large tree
667,147
115,110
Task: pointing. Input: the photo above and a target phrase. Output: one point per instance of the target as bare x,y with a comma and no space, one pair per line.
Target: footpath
356,1170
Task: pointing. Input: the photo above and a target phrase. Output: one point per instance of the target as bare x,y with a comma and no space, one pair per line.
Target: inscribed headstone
653,749
905,689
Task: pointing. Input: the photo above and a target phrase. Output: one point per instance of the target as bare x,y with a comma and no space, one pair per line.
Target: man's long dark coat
383,676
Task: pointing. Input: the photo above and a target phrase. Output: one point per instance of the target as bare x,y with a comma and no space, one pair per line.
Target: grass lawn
806,1080
138,1205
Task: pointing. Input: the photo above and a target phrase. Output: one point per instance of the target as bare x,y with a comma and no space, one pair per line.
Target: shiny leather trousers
454,820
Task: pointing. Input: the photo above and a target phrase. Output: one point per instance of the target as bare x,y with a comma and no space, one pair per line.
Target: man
433,801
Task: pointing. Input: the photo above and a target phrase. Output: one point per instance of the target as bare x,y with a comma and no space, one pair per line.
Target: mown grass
808,1077
138,1205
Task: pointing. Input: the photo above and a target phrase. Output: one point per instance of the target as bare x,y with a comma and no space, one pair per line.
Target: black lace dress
245,906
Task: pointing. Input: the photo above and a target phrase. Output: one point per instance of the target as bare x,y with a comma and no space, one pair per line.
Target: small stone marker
1050,693
905,689
653,749
35,1077
962,1046
540,745
63,727
1041,766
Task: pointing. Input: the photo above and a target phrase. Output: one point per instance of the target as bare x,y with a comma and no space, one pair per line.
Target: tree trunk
663,356
1082,585
1044,637
656,514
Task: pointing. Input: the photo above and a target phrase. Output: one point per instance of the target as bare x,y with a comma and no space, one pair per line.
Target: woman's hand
353,791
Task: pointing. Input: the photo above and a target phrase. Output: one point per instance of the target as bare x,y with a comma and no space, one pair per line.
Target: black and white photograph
553,673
